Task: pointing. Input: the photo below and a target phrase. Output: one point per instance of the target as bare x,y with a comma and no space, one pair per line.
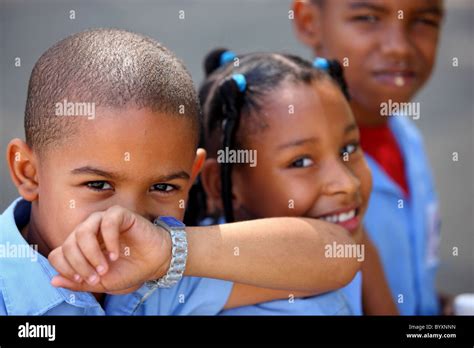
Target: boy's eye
99,185
167,188
349,149
302,162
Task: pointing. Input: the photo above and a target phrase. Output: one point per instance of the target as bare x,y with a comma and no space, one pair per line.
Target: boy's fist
114,251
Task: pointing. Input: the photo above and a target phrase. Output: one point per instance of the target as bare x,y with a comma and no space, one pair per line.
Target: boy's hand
114,251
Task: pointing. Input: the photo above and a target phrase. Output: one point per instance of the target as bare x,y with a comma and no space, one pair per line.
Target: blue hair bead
241,81
321,63
226,57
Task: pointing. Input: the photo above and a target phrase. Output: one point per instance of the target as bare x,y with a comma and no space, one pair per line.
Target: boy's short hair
110,68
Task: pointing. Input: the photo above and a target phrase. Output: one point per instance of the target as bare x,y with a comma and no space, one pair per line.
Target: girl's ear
211,182
23,166
307,23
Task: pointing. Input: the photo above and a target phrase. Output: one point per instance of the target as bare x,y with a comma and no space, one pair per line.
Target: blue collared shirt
406,230
25,287
345,301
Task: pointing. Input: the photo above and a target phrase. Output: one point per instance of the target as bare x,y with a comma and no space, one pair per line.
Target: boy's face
138,159
309,163
389,46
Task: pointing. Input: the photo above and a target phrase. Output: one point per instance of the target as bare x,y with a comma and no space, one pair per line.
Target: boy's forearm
278,253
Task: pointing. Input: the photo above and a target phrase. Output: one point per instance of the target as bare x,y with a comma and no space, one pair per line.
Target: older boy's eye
302,162
99,185
167,188
366,18
427,21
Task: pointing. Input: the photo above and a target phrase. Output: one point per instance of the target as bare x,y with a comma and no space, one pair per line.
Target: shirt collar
26,274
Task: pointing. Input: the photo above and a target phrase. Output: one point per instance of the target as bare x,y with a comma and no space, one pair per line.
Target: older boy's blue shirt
406,229
25,287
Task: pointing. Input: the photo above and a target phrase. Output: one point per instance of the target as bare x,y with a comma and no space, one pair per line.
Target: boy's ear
198,163
23,166
211,182
307,23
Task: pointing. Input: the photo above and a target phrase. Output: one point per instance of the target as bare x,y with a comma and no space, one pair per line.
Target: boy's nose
339,179
134,205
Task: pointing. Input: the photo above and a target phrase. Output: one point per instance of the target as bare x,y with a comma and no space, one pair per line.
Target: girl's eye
349,149
167,188
99,185
302,162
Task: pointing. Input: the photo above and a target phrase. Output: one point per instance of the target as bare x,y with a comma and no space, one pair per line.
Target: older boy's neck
367,118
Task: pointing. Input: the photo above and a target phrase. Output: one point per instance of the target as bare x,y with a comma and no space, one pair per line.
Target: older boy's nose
395,42
338,179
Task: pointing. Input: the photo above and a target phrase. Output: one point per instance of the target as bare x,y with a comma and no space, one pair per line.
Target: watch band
179,252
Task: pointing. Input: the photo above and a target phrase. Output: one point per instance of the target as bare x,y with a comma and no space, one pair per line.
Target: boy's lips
347,218
395,77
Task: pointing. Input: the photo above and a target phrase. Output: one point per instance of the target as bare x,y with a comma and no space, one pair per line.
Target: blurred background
28,28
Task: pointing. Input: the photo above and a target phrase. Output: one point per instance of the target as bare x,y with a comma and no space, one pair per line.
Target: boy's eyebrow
114,176
298,142
96,171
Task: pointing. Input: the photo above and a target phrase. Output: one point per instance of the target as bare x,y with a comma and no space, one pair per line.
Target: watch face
171,221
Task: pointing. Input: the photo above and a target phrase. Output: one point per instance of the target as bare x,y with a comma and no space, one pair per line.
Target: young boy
111,126
388,49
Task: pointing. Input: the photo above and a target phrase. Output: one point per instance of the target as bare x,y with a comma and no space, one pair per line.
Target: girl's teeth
339,217
346,216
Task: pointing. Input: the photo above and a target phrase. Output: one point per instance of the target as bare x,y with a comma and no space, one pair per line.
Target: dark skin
309,164
301,162
389,57
129,176
96,180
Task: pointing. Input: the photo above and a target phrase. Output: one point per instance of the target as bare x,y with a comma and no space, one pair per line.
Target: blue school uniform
345,301
25,287
406,230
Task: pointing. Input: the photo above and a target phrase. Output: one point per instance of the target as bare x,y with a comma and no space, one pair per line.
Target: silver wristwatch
179,252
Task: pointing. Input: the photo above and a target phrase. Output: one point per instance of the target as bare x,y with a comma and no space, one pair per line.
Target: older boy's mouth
395,77
347,218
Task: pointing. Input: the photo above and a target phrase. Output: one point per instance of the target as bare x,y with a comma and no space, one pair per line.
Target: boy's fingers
111,226
78,262
59,262
62,282
89,245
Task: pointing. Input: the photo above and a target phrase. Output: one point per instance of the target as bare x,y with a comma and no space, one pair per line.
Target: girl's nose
339,179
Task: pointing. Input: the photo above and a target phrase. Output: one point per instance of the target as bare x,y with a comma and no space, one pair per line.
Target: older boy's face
390,45
137,159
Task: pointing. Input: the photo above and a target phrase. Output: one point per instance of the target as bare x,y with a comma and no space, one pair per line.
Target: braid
232,99
336,72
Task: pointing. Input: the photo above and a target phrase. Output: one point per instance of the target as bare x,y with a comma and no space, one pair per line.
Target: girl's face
309,162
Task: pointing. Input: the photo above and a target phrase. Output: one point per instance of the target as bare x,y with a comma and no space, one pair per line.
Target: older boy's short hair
110,68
